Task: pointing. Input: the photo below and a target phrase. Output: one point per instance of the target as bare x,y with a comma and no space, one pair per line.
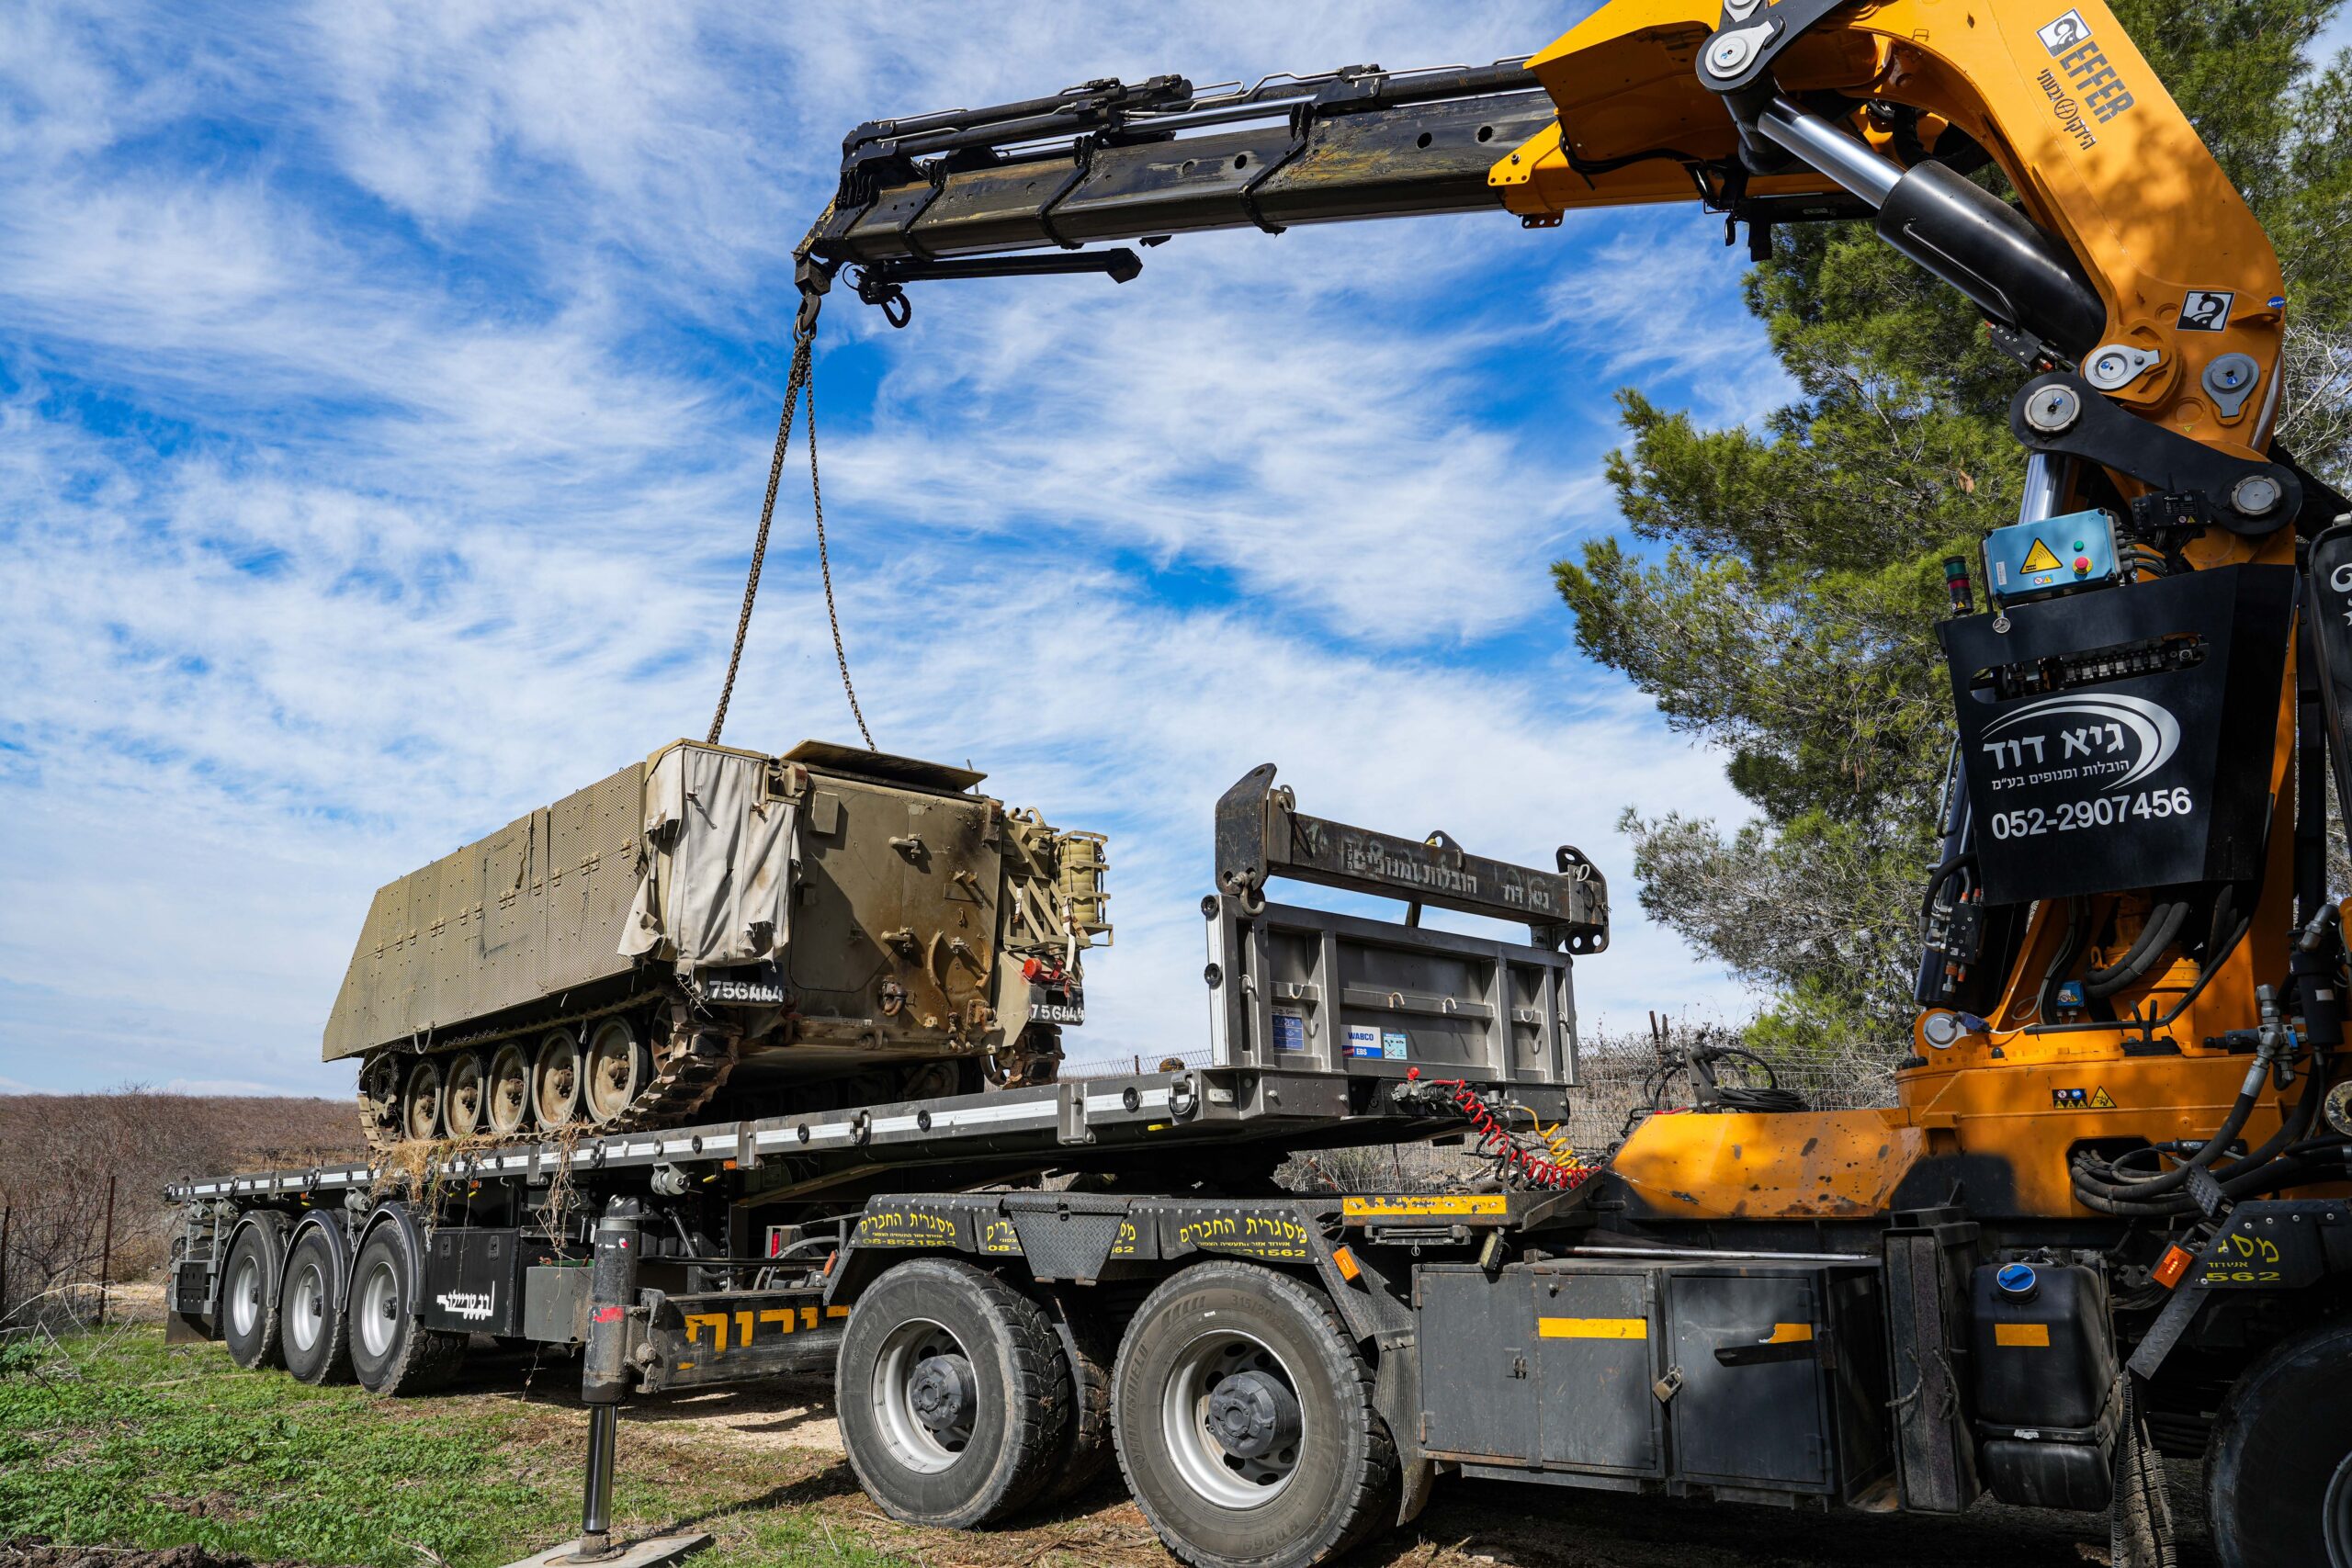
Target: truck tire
1243,1416
2276,1481
249,1297
393,1353
952,1394
1086,1446
313,1331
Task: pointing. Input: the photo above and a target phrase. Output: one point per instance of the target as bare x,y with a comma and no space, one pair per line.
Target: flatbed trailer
1280,1376
1014,1288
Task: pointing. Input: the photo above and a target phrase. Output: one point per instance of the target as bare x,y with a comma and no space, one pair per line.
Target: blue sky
385,400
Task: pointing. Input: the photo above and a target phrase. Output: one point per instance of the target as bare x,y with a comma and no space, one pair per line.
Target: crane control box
2034,561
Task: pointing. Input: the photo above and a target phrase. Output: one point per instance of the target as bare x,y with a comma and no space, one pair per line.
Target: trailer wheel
2276,1477
1086,1449
1244,1420
393,1353
312,1329
249,1300
952,1394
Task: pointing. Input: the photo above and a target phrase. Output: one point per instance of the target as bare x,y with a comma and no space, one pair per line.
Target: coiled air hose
1539,1167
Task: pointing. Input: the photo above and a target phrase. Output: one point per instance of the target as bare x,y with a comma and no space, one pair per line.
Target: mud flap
2140,1530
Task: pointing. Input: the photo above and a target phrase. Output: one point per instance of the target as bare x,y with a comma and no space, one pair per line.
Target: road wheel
618,1070
310,1322
952,1394
1243,1416
2279,1469
1086,1449
391,1352
421,1100
507,1093
464,1099
249,1298
554,1080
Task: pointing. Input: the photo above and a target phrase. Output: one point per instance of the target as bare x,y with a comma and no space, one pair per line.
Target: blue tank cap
2017,1280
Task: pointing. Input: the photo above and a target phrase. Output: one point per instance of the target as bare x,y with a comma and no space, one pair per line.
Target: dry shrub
57,1152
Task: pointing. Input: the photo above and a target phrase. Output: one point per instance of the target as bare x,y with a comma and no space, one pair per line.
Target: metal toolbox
1758,1378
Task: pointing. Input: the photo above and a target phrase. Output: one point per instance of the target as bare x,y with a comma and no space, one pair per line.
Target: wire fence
1619,1083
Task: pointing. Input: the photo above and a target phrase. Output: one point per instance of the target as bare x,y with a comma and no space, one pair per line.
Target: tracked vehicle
717,931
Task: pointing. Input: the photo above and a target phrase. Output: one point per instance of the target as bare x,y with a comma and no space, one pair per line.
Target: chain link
794,380
800,382
825,565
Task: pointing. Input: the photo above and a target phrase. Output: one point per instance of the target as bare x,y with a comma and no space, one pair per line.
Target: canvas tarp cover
718,883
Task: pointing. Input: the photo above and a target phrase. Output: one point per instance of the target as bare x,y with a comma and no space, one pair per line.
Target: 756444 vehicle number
2101,811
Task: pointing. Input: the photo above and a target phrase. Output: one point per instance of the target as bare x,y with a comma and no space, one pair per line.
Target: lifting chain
800,382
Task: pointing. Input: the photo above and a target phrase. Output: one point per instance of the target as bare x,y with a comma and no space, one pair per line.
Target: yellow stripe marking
1407,1207
1593,1328
2022,1336
1791,1334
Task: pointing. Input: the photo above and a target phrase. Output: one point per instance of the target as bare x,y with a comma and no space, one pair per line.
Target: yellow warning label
2039,558
1791,1334
2102,1100
2022,1336
1593,1327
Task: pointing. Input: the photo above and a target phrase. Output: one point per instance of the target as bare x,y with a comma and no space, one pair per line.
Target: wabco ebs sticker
1363,1040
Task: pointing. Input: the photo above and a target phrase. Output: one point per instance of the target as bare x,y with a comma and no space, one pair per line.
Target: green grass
120,1440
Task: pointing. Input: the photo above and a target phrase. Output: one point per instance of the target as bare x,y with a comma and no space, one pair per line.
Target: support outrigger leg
603,1384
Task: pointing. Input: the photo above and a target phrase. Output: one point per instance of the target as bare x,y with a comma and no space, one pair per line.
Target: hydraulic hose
2157,935
2281,1161
2069,948
2209,1151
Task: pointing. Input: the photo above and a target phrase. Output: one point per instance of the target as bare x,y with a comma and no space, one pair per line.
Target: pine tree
1781,599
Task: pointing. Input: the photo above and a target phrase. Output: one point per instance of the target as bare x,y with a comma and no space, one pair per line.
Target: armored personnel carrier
717,932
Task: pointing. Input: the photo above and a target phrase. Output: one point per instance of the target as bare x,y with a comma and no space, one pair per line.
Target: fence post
106,1254
7,1215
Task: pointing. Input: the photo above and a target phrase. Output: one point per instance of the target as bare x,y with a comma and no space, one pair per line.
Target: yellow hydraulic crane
2131,970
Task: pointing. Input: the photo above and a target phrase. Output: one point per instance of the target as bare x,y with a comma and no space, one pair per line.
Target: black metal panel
2084,781
1927,1310
1067,1235
1477,1346
1595,1365
2331,610
473,1280
1749,1412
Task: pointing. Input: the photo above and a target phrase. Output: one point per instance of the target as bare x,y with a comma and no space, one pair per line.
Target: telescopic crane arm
2129,270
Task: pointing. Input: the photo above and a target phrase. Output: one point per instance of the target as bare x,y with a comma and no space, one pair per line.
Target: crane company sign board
2124,738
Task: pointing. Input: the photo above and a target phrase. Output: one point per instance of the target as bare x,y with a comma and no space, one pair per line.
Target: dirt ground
1470,1524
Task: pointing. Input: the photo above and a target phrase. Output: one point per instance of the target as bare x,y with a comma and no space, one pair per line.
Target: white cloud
385,406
